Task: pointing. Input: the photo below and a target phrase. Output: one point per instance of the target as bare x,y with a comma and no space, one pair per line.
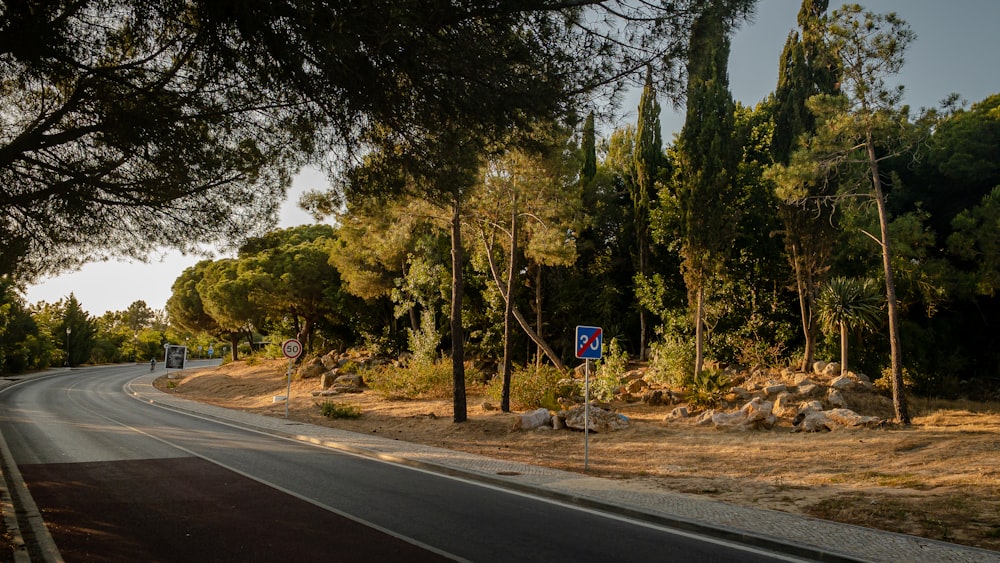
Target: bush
333,410
671,361
611,369
707,388
531,388
418,380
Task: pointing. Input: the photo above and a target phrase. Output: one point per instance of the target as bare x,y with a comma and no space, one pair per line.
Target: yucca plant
847,304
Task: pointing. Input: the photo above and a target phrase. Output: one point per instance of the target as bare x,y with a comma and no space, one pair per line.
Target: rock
350,379
758,413
679,412
774,390
786,405
534,419
818,367
653,398
832,368
808,390
803,379
819,421
755,414
851,419
741,393
558,423
327,379
312,368
705,418
488,406
862,378
636,385
842,382
599,420
836,398
330,360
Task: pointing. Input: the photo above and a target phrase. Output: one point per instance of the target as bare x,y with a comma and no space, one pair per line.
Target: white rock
534,419
842,382
832,368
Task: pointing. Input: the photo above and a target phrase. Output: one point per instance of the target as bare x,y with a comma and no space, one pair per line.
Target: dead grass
938,478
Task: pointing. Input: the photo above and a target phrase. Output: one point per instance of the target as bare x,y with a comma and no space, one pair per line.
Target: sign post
589,345
291,349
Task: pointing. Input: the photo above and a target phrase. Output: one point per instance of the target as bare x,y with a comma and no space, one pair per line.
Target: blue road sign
589,340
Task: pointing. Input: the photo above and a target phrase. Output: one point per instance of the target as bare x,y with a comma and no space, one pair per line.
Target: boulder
679,412
705,418
351,379
653,398
330,360
736,420
636,385
312,368
786,405
808,390
832,368
818,367
842,382
599,420
774,390
836,398
862,378
758,413
327,380
741,393
851,419
812,421
534,419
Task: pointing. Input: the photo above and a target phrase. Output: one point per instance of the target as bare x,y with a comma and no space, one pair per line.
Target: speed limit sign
291,348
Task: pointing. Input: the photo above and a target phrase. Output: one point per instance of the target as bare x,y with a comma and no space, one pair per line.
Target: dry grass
938,478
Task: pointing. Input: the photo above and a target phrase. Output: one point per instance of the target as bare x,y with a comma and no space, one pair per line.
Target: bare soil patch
938,478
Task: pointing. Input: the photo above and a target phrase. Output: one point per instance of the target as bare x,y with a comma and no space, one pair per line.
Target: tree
807,68
121,134
647,160
531,198
707,161
857,130
848,303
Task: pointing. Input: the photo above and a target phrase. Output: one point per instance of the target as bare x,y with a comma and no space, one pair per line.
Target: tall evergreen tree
647,160
807,68
708,157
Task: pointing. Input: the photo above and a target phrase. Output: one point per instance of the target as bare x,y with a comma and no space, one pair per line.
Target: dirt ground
938,478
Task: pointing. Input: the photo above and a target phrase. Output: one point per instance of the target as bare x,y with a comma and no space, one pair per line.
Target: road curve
118,479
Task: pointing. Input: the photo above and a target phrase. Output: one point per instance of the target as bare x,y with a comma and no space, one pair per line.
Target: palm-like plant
849,303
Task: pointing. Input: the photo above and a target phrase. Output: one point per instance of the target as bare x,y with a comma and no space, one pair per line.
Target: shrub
424,341
333,410
418,380
531,387
707,388
610,371
671,361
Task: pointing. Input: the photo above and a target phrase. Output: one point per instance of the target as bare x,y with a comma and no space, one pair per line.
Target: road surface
119,479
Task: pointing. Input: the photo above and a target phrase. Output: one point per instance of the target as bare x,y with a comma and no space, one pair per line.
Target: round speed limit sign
291,348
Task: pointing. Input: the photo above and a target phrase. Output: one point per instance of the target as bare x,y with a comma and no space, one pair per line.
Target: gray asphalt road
118,478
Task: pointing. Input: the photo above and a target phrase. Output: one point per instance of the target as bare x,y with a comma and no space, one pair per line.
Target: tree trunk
460,413
895,347
699,334
234,341
843,347
539,341
508,315
805,310
538,313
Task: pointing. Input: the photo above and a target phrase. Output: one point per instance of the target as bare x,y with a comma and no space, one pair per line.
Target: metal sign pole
288,388
586,415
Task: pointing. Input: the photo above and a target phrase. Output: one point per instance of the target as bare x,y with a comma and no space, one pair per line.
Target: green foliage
671,360
610,371
425,340
330,409
417,380
532,387
706,388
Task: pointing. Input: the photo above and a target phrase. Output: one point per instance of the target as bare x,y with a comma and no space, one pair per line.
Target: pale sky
956,50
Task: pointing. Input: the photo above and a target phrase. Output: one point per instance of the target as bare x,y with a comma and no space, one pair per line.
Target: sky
955,51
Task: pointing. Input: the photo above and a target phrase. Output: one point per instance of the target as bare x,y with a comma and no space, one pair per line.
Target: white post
288,388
